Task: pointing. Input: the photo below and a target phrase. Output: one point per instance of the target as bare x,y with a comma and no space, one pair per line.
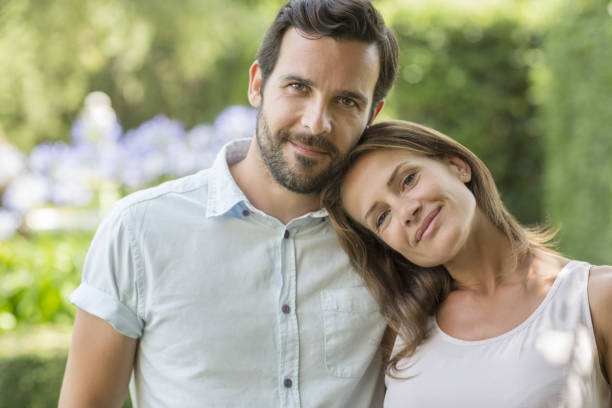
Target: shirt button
286,309
287,383
246,213
287,234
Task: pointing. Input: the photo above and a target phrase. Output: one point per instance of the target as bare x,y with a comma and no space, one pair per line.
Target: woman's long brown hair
409,295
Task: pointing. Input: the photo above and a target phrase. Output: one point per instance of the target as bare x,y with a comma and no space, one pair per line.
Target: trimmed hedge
33,381
470,80
576,90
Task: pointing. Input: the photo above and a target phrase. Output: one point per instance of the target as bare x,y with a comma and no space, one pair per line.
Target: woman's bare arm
600,299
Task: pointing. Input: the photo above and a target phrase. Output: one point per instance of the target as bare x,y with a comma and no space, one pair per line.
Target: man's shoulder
191,189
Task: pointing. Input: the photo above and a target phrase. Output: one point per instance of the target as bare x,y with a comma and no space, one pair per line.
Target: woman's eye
408,180
380,220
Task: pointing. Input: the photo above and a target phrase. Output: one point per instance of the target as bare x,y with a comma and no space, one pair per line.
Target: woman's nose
409,210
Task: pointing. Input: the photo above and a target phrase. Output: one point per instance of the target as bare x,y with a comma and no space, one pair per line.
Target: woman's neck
487,260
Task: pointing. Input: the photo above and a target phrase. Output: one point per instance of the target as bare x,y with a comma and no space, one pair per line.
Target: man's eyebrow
346,94
389,183
295,78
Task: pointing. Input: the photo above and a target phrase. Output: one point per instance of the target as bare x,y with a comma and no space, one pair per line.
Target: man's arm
99,365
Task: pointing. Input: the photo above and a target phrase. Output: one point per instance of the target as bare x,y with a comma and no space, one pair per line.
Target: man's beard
298,177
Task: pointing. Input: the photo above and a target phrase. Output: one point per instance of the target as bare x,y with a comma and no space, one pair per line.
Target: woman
486,314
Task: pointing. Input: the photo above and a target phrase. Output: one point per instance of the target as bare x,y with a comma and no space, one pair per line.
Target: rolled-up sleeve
111,281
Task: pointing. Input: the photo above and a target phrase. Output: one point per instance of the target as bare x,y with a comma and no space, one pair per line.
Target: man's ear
255,80
459,167
376,111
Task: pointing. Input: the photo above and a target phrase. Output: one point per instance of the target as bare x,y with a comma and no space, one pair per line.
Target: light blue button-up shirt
231,307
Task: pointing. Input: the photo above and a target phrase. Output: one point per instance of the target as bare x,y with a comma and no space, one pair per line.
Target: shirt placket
289,335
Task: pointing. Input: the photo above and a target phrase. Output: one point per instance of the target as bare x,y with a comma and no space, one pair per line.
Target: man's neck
262,190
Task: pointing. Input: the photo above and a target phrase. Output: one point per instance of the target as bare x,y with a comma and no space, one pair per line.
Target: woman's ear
459,167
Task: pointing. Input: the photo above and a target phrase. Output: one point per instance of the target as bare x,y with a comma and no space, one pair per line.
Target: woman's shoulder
600,288
600,302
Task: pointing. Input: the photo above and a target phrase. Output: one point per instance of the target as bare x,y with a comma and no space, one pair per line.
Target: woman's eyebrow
372,208
395,172
392,178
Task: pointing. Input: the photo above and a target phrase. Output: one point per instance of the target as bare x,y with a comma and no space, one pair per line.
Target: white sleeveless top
549,360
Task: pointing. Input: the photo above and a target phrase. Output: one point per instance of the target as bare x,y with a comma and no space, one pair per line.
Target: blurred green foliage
466,76
32,381
575,86
531,96
485,79
187,60
469,79
38,274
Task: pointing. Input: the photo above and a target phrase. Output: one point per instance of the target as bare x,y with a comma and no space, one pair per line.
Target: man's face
317,104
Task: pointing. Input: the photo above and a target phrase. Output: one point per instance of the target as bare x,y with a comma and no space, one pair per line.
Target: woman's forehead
384,157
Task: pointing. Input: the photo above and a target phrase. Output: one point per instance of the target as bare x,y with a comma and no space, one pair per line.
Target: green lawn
32,363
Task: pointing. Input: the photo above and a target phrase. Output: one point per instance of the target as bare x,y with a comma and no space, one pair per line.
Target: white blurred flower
9,223
12,162
75,194
25,192
97,125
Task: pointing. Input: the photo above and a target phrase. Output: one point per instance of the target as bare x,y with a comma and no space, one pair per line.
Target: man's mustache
319,142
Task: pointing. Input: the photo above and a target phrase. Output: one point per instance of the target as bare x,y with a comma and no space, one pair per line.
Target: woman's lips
427,225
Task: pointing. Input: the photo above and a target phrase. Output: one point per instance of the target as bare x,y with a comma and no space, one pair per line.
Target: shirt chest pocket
353,329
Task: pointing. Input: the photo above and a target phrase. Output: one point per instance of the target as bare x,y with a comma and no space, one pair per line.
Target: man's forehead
346,63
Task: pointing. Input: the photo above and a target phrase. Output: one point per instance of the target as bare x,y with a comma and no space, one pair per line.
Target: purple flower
44,158
202,145
235,122
151,151
25,192
71,194
69,170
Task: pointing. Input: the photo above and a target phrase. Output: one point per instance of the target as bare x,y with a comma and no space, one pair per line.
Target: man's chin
304,182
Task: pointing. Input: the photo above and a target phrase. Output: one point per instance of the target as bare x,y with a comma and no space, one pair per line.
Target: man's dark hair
342,20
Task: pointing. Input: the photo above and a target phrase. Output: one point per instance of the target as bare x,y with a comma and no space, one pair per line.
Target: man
228,288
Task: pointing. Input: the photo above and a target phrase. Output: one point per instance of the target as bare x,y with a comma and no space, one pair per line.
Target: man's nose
316,116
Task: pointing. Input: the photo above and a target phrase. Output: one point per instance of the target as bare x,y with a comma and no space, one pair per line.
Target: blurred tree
469,78
187,60
575,88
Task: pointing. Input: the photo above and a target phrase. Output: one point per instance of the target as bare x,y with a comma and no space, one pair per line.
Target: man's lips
307,150
426,224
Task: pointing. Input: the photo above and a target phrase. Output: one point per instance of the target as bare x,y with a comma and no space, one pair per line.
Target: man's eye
347,101
297,86
380,220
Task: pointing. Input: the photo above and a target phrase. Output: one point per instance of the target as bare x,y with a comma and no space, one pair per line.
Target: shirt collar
223,192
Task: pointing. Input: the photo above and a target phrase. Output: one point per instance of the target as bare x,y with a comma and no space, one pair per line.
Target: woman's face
419,206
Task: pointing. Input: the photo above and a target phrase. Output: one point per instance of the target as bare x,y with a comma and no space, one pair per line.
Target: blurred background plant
99,98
